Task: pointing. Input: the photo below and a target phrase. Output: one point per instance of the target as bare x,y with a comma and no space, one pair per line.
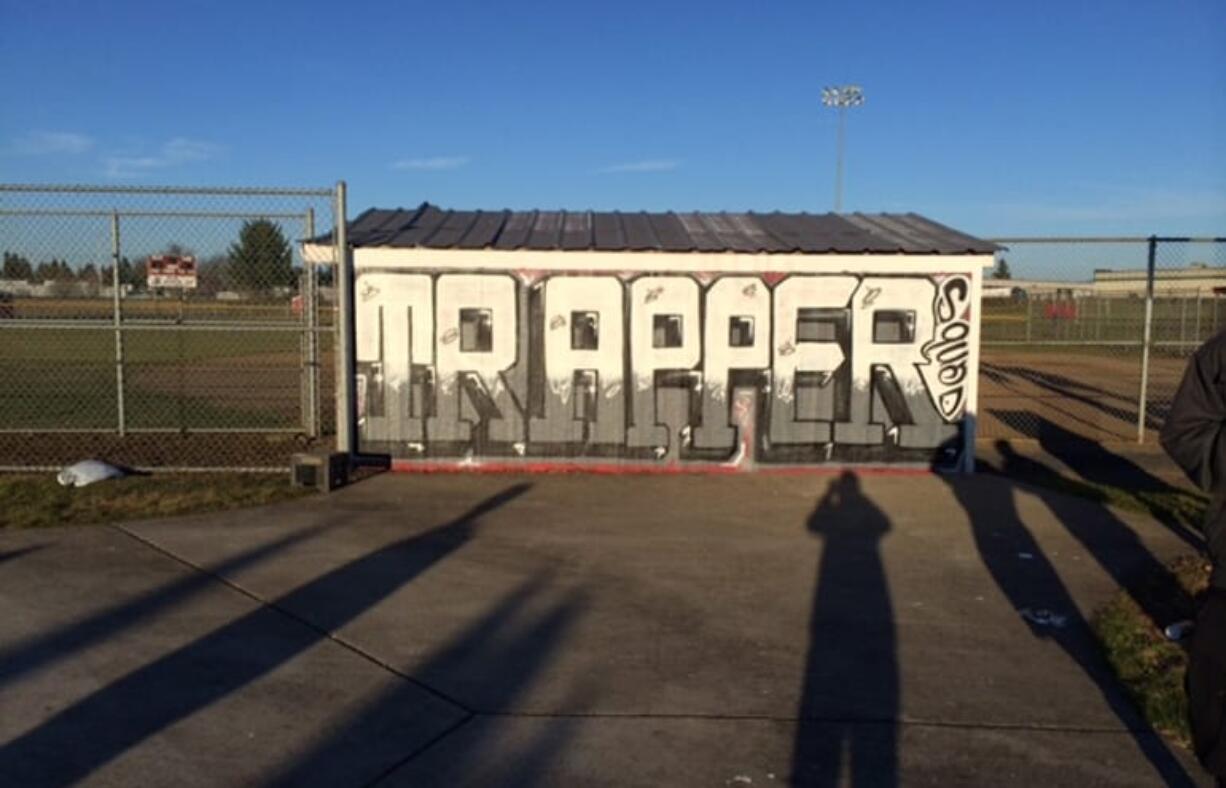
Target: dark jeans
1206,683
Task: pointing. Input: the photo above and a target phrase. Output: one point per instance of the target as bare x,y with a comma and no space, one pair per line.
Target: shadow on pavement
850,699
43,651
9,555
1091,396
103,725
501,654
1176,508
1110,541
1030,582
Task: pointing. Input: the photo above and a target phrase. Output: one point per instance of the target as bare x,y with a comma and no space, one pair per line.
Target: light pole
841,97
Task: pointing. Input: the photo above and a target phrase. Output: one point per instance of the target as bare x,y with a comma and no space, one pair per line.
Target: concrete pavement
567,630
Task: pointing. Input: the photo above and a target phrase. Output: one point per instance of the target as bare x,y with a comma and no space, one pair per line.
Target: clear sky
1000,118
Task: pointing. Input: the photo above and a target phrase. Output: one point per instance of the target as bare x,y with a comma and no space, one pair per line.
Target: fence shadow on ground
501,653
1034,589
10,555
1062,387
850,698
46,650
100,727
1103,475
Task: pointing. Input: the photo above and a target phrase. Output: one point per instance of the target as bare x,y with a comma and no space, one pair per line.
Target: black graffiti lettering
583,369
950,350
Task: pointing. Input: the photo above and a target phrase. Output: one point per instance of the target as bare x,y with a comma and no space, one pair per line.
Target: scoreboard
171,271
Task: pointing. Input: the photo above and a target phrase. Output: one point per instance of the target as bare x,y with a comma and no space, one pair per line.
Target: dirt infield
1090,391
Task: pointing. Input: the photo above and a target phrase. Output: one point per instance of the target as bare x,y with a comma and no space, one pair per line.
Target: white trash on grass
87,472
1179,630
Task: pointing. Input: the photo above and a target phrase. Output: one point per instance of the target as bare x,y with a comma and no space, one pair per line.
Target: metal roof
431,227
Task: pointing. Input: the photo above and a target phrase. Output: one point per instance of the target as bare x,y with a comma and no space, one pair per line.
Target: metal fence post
310,306
346,399
1197,331
1146,337
117,318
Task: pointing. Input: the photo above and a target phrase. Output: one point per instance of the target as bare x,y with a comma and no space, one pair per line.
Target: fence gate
164,327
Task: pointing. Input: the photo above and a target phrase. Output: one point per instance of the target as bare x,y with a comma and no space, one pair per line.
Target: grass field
1102,319
165,308
178,379
33,501
66,378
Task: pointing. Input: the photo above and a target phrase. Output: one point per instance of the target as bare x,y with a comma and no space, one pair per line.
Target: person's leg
1206,684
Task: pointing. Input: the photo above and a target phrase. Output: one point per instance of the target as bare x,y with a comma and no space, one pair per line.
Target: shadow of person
849,703
74,742
1034,589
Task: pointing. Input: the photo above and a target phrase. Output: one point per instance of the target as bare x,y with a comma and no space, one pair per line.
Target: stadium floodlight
841,97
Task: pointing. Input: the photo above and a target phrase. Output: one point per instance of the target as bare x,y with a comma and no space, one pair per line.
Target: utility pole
841,97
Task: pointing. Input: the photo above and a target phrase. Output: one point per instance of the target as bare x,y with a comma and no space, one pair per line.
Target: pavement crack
912,722
420,749
301,620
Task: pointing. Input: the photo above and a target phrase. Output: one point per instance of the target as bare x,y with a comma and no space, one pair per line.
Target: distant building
1202,279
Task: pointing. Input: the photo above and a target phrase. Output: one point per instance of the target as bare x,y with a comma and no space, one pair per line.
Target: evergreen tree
261,258
1002,270
16,267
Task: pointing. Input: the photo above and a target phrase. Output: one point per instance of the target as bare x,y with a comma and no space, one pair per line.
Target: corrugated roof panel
703,239
797,230
372,219
849,238
422,227
484,229
577,230
949,236
452,230
607,232
728,233
431,227
670,232
516,231
782,229
752,229
639,235
907,239
546,231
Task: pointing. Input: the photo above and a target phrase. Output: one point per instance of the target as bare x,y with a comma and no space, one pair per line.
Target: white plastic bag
87,472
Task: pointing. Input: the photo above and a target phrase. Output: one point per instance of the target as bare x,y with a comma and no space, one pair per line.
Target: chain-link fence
1085,339
163,327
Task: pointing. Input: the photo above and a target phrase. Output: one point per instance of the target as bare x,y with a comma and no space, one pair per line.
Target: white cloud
647,165
42,143
432,163
172,153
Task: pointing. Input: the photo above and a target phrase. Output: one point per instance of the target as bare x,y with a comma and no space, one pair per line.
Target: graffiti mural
664,368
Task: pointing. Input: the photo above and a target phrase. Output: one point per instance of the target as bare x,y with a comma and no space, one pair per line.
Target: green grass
1103,319
65,378
1170,505
1151,667
33,501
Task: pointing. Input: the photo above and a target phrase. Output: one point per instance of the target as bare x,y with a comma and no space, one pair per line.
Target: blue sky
998,118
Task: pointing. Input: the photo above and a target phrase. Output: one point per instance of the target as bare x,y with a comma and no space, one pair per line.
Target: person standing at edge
1194,435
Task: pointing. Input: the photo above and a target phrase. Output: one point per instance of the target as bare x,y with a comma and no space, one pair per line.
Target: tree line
259,261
